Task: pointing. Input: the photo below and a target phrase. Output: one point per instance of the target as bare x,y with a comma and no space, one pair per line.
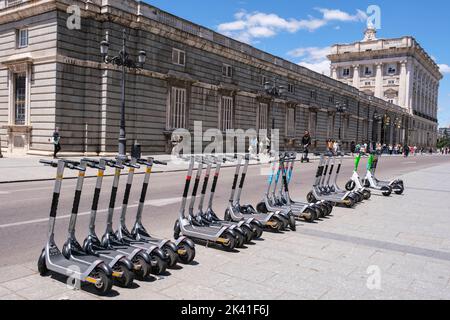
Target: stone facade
398,71
191,74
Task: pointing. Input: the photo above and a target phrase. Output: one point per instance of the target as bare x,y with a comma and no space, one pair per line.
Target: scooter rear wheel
310,215
104,286
248,232
399,189
144,270
159,265
367,194
257,231
240,238
126,281
230,245
386,191
173,256
189,254
292,223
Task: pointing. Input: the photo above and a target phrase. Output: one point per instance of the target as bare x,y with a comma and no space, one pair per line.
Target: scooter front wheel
350,186
292,223
127,278
311,198
173,256
42,264
367,194
262,208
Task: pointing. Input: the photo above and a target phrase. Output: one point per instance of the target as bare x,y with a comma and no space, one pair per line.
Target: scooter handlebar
113,164
161,163
49,163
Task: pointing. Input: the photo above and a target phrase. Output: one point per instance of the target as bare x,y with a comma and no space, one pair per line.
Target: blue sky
301,31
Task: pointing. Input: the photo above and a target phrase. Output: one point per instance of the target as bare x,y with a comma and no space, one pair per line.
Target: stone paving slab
386,241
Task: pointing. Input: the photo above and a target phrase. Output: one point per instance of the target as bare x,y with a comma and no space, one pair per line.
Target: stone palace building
398,71
54,76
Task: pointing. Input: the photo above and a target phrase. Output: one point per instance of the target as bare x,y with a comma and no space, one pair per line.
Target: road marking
4,192
410,162
163,202
155,203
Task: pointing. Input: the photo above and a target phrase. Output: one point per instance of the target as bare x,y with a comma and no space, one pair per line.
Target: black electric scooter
160,259
186,226
92,244
122,267
97,273
111,241
183,247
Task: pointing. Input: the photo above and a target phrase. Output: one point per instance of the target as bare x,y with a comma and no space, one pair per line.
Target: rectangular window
368,71
262,116
22,38
314,95
346,72
291,88
391,82
331,126
312,125
290,122
226,113
368,83
263,80
178,57
392,70
227,71
331,99
19,99
177,111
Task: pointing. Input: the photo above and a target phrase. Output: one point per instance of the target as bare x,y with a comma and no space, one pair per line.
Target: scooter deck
208,231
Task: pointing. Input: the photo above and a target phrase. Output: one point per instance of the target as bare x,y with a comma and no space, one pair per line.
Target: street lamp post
275,91
341,108
123,61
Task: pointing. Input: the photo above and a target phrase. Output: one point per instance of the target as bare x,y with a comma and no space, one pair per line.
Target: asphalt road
24,207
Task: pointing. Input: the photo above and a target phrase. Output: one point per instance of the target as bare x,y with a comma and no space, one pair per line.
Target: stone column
403,91
356,78
410,74
334,72
379,81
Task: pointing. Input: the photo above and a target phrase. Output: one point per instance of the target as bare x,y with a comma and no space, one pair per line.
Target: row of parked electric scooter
120,255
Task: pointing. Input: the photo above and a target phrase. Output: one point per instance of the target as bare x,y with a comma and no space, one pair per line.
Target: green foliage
443,143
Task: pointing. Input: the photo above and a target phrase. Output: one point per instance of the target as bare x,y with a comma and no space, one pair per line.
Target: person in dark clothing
306,142
56,139
353,147
406,150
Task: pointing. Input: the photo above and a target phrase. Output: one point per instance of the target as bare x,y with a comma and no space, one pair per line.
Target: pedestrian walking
353,147
56,140
306,142
406,150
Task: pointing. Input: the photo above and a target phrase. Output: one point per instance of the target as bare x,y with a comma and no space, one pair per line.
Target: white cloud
445,68
313,58
248,27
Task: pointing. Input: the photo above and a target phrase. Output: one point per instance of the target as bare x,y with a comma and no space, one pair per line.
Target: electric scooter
236,212
355,183
323,208
251,228
186,226
396,185
242,234
371,183
156,258
92,244
319,191
272,202
97,273
122,267
160,259
184,247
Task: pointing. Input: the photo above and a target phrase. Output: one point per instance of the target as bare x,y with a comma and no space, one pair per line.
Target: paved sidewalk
387,248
